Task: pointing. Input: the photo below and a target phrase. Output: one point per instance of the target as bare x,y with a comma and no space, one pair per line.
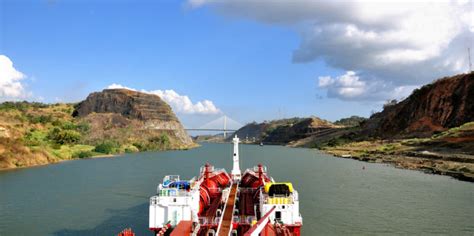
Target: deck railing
279,200
173,192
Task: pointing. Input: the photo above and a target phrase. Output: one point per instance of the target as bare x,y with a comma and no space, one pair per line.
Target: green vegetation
107,147
337,141
456,131
35,138
161,142
71,151
457,140
389,148
83,127
352,121
414,141
42,119
21,106
36,133
83,154
130,149
60,136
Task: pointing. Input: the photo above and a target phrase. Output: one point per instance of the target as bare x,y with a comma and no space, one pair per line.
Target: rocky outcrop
131,104
142,115
300,130
283,131
443,104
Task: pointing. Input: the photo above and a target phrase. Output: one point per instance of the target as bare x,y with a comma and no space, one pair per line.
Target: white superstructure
236,174
284,198
176,200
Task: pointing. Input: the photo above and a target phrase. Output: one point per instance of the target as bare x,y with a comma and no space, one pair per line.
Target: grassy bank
37,134
446,153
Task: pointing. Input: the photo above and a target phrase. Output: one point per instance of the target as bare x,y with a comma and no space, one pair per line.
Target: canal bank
337,196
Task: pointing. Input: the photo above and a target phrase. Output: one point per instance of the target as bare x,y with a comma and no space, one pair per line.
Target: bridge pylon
225,127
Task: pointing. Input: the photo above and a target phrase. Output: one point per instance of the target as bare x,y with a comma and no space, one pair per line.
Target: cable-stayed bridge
222,124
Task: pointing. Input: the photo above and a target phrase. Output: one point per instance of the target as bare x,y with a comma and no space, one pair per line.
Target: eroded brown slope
443,104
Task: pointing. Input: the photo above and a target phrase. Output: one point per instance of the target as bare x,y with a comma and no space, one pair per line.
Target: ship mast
236,168
469,56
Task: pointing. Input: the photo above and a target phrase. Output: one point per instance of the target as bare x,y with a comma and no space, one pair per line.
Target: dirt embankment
435,107
459,166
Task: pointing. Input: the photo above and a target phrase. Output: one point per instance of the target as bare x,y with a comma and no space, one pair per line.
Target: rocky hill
128,103
432,130
436,107
107,122
143,115
252,132
292,132
282,131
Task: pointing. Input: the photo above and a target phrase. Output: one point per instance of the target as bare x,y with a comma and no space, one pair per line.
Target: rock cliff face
131,104
443,104
141,115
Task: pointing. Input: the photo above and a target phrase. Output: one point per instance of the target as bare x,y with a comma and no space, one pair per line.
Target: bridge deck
226,225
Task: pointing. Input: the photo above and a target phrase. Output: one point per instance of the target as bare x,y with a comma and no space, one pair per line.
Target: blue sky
246,65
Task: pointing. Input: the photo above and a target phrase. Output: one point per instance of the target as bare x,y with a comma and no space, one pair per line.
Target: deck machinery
216,203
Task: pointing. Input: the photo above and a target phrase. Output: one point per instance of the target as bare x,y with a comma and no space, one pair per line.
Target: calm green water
102,196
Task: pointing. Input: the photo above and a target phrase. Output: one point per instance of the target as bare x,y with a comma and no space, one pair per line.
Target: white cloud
349,86
119,86
325,81
345,86
180,103
391,44
10,80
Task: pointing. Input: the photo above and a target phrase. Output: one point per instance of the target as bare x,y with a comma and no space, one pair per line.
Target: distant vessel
216,203
261,144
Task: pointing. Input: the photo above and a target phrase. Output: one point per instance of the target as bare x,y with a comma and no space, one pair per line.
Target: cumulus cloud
180,103
391,45
349,86
119,86
10,80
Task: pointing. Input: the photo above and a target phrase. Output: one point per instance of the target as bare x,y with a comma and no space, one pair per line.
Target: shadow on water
135,217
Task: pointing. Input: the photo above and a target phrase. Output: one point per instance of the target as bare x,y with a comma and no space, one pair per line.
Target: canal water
337,196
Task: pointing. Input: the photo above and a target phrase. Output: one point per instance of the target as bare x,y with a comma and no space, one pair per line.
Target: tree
83,127
107,147
389,103
60,136
159,142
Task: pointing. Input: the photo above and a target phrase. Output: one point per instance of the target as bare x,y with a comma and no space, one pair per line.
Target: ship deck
226,225
183,228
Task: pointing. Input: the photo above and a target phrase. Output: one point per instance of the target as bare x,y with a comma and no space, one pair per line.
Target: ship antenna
469,56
